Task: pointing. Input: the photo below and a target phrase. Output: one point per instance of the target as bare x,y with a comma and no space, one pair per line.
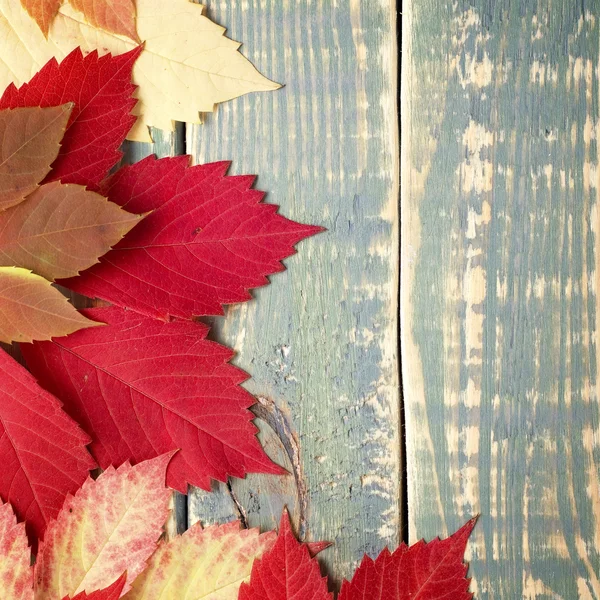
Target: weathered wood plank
321,341
500,288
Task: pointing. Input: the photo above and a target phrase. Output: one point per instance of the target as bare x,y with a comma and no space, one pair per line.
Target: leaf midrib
151,398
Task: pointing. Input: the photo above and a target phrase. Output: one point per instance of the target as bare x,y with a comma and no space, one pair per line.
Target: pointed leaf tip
298,576
32,309
113,592
209,235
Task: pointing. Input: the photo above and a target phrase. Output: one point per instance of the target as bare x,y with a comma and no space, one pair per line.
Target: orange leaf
29,143
31,309
16,576
109,527
202,563
60,230
42,11
116,16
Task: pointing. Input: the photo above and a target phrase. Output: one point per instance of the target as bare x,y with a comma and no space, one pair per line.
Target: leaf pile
120,517
186,66
160,240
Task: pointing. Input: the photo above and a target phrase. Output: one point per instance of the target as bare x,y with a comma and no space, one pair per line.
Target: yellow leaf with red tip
111,526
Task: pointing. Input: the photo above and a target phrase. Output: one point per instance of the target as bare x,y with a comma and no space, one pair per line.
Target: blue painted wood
500,287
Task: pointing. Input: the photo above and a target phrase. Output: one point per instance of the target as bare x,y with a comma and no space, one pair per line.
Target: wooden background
499,309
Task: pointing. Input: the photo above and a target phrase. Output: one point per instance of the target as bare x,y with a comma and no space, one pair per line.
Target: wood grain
321,341
499,287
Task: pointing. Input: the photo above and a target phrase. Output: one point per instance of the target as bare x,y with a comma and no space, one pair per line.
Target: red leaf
112,592
433,571
315,548
43,451
207,243
102,91
142,387
286,572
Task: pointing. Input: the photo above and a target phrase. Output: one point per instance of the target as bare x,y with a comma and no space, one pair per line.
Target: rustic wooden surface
321,341
500,308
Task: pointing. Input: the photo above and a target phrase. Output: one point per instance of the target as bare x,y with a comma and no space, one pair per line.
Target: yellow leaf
31,309
109,527
16,574
187,65
60,230
202,564
29,144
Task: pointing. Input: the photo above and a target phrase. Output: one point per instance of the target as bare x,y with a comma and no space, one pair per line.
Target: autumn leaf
43,451
286,572
42,11
186,67
16,574
31,309
208,241
423,571
116,16
29,143
109,527
101,91
112,592
202,563
60,230
141,387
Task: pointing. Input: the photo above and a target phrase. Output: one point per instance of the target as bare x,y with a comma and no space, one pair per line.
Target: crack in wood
241,511
272,415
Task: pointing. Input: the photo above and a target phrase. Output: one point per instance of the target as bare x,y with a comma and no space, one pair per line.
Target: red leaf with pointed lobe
286,572
43,451
208,241
102,91
112,592
142,387
423,571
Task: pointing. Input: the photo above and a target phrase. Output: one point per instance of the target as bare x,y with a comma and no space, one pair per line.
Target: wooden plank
499,287
321,341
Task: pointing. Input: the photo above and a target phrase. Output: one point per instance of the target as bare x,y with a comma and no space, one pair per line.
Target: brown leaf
31,309
60,230
42,11
116,16
29,143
